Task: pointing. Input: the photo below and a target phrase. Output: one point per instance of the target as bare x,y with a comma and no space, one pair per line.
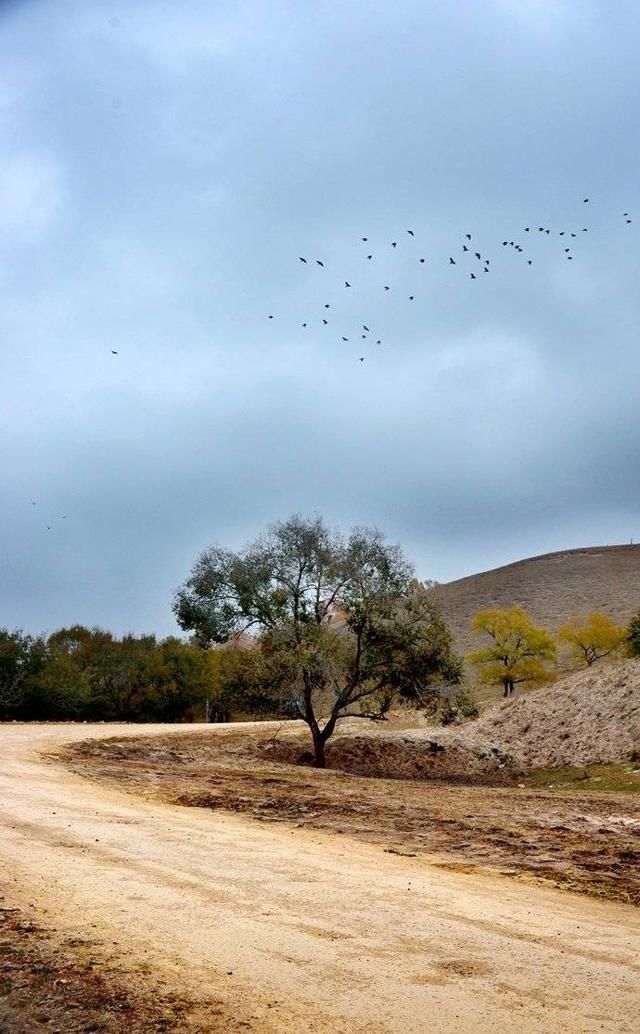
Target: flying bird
345,338
411,297
319,263
302,259
361,358
472,275
364,327
113,351
451,261
369,257
411,233
526,229
33,502
422,260
327,306
585,200
270,317
477,255
304,324
468,236
386,288
464,247
365,239
394,244
528,262
347,284
629,220
325,322
378,342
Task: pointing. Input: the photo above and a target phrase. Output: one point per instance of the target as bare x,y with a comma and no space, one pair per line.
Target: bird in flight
369,257
113,351
422,260
325,322
585,200
411,297
347,284
302,259
345,338
394,244
365,239
478,255
378,342
319,263
33,502
361,358
270,317
411,233
451,261
472,275
304,324
327,306
464,247
526,229
386,288
364,327
468,236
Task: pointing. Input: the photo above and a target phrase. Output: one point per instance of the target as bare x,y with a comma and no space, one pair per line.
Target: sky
164,167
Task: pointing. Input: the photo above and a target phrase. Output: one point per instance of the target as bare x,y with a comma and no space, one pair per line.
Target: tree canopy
341,628
518,651
592,637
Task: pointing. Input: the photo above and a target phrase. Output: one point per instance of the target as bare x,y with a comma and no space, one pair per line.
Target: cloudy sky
163,166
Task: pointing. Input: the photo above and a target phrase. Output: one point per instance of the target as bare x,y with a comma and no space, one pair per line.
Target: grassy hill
552,588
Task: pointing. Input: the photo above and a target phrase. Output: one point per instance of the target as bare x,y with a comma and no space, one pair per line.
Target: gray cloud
163,170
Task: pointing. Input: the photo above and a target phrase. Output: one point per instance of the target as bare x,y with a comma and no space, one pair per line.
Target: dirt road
272,928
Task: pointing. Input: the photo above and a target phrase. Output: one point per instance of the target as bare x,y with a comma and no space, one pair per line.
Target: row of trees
82,674
303,622
519,651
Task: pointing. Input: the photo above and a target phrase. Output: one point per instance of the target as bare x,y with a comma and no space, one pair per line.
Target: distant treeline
79,674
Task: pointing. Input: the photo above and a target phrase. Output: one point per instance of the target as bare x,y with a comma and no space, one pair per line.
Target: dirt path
272,928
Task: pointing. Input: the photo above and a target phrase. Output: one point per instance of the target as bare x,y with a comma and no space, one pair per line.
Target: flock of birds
63,517
467,251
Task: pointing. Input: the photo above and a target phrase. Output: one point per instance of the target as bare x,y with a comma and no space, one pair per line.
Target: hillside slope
552,587
590,717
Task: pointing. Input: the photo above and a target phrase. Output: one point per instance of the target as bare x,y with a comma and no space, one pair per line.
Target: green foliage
88,674
593,637
633,636
518,652
340,629
462,707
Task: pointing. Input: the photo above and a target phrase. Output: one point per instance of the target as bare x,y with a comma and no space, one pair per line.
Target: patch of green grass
621,777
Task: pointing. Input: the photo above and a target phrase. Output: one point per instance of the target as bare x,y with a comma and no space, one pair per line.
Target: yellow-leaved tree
518,651
592,637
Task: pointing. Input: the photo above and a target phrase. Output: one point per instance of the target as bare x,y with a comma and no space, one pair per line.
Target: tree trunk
318,747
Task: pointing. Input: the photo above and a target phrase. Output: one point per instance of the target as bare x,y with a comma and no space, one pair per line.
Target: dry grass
551,588
590,717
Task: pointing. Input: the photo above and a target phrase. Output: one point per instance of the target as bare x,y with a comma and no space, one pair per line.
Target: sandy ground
274,928
587,842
